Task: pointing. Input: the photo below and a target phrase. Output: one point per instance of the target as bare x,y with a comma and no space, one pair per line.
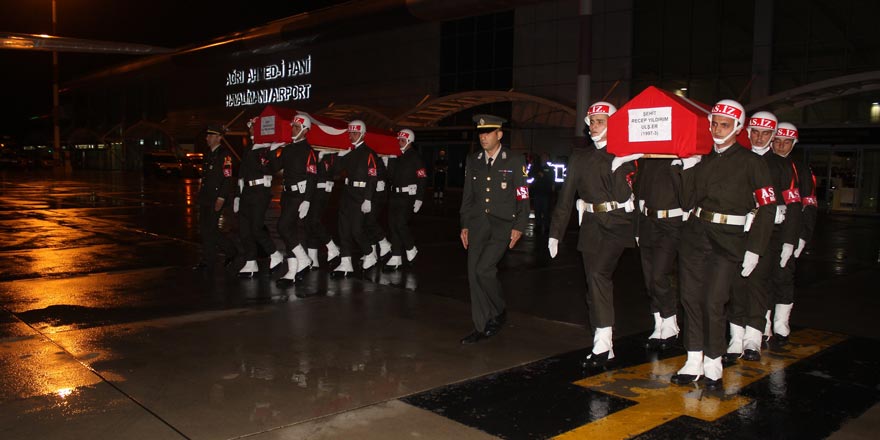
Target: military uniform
217,182
373,229
256,177
494,202
750,296
722,190
541,192
660,220
407,177
316,233
300,166
360,168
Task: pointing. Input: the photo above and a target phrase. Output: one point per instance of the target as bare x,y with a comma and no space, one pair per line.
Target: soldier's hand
218,204
514,237
235,203
304,209
553,247
787,251
366,207
799,248
417,205
750,260
464,238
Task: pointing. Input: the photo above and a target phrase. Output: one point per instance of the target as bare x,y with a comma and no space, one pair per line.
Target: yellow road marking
659,401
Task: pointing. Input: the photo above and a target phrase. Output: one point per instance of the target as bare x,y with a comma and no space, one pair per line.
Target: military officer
494,213
299,163
316,233
407,176
216,186
750,295
782,279
360,168
727,185
605,230
254,183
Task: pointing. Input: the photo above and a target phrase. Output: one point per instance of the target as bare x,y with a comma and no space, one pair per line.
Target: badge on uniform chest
503,185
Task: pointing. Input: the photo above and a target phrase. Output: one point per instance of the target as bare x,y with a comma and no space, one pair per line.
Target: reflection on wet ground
106,330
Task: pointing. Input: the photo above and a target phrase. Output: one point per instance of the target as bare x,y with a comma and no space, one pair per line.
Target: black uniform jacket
807,185
217,176
299,163
408,169
501,192
255,164
785,186
727,183
656,184
360,165
589,177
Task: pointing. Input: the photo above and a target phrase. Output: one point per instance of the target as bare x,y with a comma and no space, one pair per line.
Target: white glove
417,205
553,246
581,206
303,209
750,260
787,250
321,154
618,161
366,207
687,162
275,146
800,247
385,160
235,205
240,185
637,241
344,152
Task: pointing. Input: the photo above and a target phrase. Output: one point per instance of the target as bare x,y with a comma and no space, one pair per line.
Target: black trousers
750,296
352,228
599,264
706,276
542,212
782,282
488,239
400,211
373,229
251,221
290,227
316,233
212,238
658,248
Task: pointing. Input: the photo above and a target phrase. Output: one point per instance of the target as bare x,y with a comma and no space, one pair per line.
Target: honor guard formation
718,232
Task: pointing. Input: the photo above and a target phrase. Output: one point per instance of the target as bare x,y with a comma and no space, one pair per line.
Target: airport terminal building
430,65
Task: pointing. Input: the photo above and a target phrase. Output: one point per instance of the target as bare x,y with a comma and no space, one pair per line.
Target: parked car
162,164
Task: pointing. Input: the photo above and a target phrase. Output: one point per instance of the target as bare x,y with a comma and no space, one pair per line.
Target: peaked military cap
488,123
215,129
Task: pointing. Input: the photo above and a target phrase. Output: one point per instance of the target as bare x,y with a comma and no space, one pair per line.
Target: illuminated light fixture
875,112
681,92
16,43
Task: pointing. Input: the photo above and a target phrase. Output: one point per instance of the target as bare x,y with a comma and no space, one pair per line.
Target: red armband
791,196
227,167
312,163
421,173
522,193
765,196
809,201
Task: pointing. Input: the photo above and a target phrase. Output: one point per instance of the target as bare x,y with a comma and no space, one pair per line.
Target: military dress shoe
473,338
285,282
594,360
652,343
778,340
247,274
684,379
712,384
728,359
751,355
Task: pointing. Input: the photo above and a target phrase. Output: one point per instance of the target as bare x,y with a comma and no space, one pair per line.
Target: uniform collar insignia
480,155
504,155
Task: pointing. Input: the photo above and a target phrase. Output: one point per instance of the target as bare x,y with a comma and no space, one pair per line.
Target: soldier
316,233
750,296
724,189
215,186
658,234
375,232
541,192
255,185
782,280
299,164
494,213
360,168
605,193
441,167
407,176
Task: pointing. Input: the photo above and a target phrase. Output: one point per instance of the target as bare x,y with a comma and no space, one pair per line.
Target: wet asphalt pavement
106,332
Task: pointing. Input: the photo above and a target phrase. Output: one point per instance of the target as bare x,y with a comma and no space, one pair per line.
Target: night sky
26,77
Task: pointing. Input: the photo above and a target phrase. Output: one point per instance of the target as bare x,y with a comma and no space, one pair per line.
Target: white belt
594,208
721,219
780,214
409,189
265,181
663,213
326,186
356,183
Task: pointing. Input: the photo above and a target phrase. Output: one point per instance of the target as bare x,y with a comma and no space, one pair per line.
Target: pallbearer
407,176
